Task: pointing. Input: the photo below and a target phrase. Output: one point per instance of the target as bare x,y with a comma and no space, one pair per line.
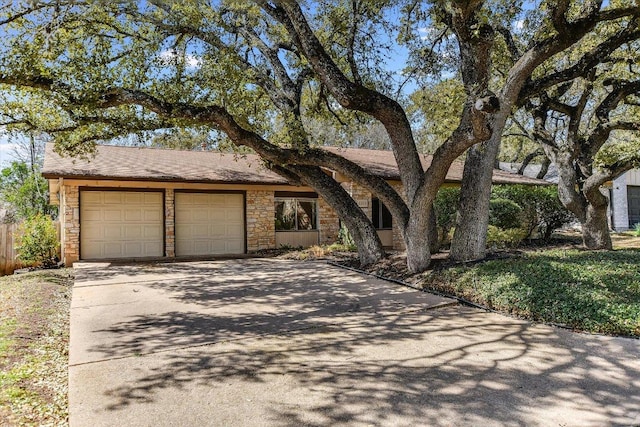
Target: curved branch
352,95
588,61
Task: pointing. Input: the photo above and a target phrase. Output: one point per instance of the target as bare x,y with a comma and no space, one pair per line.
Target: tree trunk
434,241
417,235
470,236
417,242
595,229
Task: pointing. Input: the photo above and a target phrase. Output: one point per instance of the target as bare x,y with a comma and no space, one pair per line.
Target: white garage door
121,224
209,224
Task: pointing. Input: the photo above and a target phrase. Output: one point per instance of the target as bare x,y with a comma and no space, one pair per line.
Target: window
296,214
380,215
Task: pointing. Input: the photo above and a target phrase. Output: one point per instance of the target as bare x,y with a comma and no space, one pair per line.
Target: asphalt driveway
284,343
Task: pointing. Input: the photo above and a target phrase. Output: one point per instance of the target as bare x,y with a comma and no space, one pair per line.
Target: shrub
501,238
37,241
636,230
344,237
541,207
504,213
446,208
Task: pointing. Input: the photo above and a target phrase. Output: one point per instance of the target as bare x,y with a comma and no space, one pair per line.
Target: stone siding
70,219
169,223
361,195
261,228
328,223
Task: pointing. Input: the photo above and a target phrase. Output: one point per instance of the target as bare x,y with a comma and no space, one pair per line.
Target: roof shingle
154,164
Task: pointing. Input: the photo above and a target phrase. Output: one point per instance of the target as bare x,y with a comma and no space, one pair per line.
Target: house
624,199
129,202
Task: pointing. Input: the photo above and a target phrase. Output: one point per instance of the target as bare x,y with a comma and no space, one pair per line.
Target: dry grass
626,240
34,338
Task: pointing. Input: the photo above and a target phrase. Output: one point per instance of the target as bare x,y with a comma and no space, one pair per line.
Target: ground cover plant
591,291
34,338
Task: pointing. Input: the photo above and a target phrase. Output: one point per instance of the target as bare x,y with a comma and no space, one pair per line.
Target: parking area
258,342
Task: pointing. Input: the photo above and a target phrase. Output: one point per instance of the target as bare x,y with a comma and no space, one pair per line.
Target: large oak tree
586,34
85,71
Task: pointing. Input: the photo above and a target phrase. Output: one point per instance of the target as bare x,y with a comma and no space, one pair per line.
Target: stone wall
261,229
169,223
70,219
328,223
361,195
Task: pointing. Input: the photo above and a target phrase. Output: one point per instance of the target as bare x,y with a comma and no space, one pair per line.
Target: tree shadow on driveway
347,350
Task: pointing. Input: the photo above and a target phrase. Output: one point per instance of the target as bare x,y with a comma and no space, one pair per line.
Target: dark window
296,214
633,204
380,215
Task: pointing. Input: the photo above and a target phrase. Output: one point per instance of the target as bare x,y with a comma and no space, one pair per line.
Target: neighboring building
130,202
625,200
623,193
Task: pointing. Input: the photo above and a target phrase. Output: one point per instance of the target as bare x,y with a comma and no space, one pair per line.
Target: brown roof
154,164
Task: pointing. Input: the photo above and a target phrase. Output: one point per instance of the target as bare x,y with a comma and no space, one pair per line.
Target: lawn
595,291
34,338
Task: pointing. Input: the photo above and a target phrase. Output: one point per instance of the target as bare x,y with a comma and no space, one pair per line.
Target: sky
6,151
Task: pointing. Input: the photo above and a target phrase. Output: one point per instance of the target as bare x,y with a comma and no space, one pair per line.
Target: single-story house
130,202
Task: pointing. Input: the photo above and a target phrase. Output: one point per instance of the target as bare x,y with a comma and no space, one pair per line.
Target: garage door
121,224
633,201
209,224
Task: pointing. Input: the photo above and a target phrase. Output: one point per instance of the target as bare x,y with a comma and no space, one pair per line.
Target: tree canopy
262,72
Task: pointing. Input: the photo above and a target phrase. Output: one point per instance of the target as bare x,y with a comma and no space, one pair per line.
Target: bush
636,230
344,237
541,207
504,213
501,238
37,241
446,208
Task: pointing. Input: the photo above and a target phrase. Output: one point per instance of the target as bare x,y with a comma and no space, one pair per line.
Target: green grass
34,336
591,291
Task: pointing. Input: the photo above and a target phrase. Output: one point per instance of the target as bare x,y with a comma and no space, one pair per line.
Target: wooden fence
8,261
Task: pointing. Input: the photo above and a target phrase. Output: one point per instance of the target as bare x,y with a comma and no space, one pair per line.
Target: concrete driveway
283,343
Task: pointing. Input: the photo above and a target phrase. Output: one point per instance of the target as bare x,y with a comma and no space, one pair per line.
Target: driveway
284,343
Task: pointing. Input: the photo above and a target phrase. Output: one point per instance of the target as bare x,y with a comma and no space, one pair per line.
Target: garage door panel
111,232
132,232
201,246
133,215
112,197
121,224
91,197
92,215
112,215
134,198
92,233
133,248
199,215
235,246
151,232
235,229
203,224
234,202
153,247
219,215
152,215
113,250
